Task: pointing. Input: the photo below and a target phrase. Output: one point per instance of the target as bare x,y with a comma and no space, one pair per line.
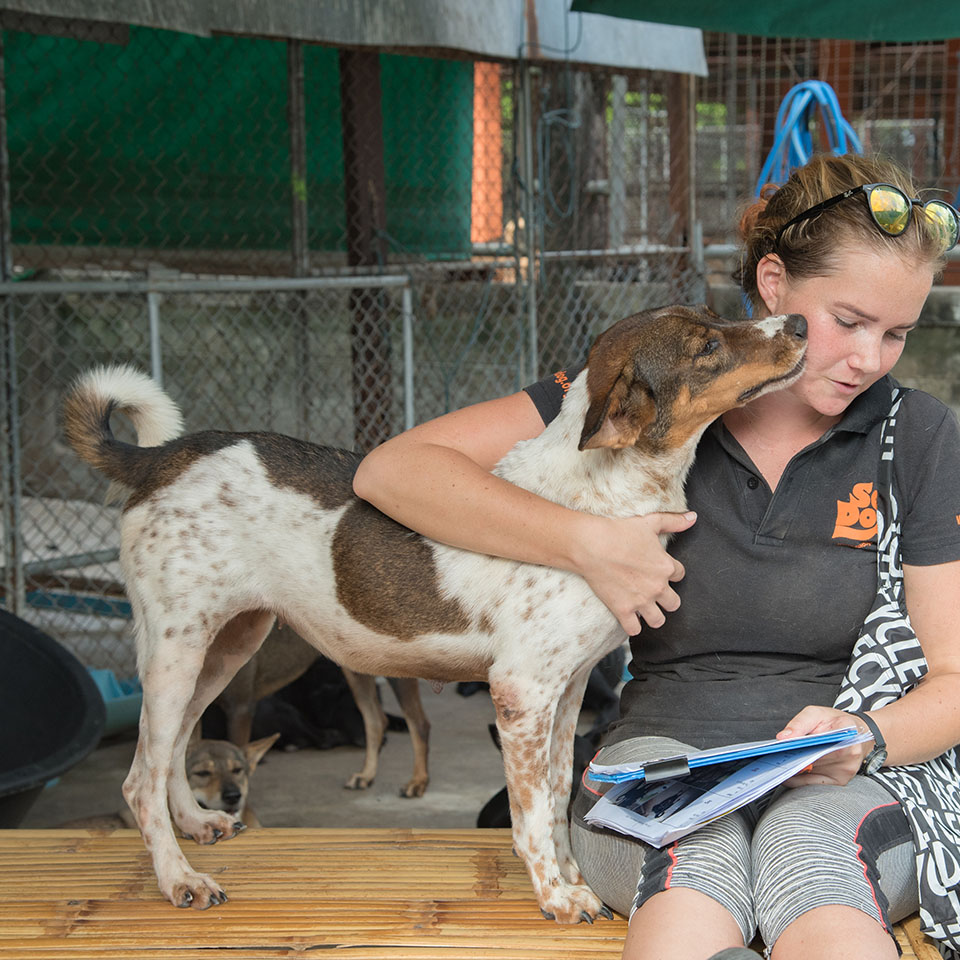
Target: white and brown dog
222,532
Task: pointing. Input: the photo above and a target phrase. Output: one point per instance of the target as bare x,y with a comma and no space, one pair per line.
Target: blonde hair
812,247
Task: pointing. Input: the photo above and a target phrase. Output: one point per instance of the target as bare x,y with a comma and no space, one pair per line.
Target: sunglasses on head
891,210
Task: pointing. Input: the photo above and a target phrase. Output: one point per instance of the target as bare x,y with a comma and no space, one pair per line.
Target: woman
778,572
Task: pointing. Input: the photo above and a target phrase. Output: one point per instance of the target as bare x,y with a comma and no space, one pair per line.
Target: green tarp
179,141
889,20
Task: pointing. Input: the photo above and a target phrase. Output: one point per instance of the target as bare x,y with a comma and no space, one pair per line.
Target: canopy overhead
494,29
888,20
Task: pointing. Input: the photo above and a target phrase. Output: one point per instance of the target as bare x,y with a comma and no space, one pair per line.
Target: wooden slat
382,894
914,942
378,894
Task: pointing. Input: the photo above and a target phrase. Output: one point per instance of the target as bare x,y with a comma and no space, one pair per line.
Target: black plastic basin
51,714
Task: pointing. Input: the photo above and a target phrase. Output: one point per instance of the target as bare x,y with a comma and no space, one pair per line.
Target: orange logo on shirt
857,517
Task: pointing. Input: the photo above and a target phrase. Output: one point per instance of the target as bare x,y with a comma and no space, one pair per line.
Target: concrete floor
305,788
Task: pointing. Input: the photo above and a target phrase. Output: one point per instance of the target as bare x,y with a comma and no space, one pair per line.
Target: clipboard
662,800
672,767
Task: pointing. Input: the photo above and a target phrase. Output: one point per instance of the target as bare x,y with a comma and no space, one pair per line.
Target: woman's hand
837,767
627,567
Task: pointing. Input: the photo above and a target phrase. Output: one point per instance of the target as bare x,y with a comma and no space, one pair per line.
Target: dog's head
657,378
219,771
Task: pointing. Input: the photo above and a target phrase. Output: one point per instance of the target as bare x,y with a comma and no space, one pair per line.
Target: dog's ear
195,736
621,407
255,751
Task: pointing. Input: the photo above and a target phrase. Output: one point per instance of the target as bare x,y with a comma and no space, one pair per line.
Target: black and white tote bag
885,664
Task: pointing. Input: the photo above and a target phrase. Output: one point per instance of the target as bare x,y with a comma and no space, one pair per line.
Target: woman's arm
437,480
926,721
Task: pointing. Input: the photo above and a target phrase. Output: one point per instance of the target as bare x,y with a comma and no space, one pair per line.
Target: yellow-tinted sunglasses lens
890,209
943,222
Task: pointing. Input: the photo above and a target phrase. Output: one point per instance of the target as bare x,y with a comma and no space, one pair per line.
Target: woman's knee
715,860
610,865
821,846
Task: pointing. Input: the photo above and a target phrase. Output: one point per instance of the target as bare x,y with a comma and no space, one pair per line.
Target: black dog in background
316,710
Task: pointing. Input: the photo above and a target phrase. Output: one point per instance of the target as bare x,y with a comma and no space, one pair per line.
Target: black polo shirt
779,582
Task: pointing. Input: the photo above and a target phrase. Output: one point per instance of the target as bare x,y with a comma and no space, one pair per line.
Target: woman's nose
867,356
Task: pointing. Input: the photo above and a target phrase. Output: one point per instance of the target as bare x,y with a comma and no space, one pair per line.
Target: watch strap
871,726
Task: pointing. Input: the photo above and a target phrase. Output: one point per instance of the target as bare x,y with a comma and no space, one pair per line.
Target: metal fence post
618,162
156,354
409,418
531,208
14,583
299,240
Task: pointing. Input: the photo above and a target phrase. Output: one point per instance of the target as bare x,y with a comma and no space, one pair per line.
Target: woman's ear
771,282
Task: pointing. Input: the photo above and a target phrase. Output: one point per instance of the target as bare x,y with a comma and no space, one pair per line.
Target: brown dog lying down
219,775
285,656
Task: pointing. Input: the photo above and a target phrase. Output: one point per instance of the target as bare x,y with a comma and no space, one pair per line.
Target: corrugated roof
492,29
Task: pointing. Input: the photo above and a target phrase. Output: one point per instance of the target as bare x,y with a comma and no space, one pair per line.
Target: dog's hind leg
170,657
364,690
235,643
407,692
526,711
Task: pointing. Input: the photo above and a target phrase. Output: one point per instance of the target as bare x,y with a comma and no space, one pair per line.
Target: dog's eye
236,771
709,347
199,773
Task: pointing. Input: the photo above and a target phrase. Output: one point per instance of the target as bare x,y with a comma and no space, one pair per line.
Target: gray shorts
767,863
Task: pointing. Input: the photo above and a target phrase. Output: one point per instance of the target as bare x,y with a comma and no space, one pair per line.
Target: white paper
665,810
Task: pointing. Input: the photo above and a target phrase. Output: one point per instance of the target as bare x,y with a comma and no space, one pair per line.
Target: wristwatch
877,756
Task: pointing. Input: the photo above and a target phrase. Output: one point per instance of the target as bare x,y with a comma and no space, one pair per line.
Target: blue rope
792,142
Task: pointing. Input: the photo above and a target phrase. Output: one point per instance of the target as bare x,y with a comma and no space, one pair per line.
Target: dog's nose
796,325
230,794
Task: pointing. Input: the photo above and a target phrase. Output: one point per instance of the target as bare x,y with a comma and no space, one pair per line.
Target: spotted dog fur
223,532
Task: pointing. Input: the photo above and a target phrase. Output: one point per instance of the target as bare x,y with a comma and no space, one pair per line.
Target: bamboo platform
374,894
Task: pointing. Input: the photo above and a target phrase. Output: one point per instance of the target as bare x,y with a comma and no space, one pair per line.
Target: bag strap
889,571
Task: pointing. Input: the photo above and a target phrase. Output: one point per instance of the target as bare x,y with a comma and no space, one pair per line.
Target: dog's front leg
525,718
561,770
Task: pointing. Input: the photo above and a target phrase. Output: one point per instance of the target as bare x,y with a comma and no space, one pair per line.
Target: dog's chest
605,482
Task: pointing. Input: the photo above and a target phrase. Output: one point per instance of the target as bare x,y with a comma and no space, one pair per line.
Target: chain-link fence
337,243
289,355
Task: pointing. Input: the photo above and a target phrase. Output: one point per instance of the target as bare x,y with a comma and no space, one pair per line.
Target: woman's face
858,318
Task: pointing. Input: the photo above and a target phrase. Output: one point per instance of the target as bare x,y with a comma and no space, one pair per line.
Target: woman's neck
774,428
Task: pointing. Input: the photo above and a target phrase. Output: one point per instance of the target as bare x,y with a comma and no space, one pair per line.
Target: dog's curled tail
99,393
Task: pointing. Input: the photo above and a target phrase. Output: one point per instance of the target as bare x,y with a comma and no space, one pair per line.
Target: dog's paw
569,903
358,782
198,891
417,787
211,828
570,870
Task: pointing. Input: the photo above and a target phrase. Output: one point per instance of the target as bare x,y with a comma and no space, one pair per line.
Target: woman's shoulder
927,440
927,413
548,393
926,463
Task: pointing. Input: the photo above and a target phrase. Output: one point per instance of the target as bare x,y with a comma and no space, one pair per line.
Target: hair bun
756,210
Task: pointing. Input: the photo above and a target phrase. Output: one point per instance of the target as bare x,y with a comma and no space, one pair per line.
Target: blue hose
792,142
